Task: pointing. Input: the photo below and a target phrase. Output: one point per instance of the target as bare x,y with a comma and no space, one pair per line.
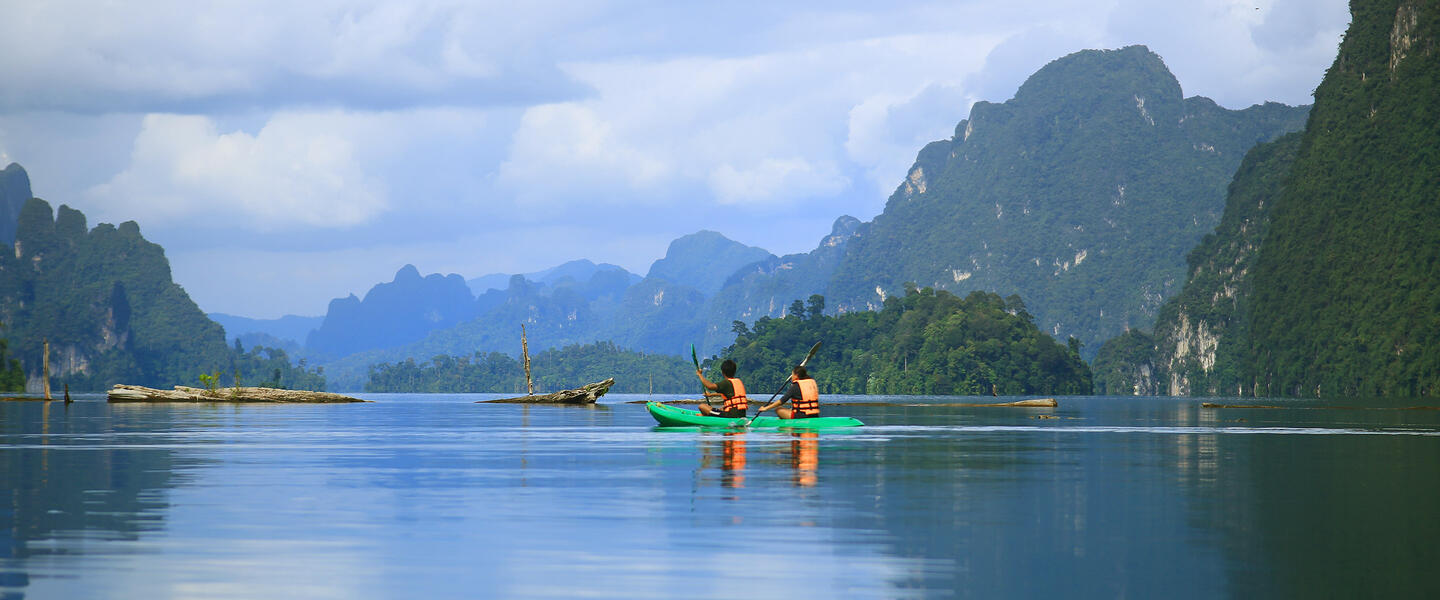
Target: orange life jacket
809,402
739,400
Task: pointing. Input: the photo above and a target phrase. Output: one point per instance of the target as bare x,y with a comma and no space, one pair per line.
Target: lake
433,496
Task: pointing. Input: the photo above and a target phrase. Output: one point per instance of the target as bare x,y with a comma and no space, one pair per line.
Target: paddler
731,389
803,395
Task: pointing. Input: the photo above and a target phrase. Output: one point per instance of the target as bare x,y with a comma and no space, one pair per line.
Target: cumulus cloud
766,130
308,125
1238,52
88,57
295,172
772,180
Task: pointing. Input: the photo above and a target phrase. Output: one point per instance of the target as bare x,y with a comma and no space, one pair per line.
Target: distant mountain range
1076,201
1080,196
575,271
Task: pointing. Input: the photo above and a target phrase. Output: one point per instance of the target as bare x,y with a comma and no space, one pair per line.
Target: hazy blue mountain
654,315
14,192
555,319
1082,194
704,261
392,314
291,328
766,288
575,271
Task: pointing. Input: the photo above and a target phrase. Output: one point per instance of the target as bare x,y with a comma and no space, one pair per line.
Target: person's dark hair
800,373
728,368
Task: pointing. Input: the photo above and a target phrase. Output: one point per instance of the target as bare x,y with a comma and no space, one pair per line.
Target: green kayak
671,416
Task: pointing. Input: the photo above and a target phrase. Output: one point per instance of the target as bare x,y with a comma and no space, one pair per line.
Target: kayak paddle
808,356
696,360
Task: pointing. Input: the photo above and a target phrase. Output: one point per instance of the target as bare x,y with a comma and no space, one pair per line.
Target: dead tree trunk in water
45,370
525,359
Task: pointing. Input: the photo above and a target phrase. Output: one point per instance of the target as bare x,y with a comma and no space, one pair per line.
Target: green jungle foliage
925,342
12,377
105,301
1125,365
1215,298
1081,194
552,370
271,367
1347,284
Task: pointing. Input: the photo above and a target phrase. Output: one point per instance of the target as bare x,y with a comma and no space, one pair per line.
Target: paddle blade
811,354
693,357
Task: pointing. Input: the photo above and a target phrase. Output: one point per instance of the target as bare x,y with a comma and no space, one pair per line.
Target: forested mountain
1340,296
104,299
1082,194
1347,281
14,192
1196,347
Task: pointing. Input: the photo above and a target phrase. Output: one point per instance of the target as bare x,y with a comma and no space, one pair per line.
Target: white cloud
85,56
1237,52
299,170
772,180
569,148
766,130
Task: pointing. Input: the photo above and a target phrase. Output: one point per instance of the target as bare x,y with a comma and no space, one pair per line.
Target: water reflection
805,457
432,496
729,454
69,485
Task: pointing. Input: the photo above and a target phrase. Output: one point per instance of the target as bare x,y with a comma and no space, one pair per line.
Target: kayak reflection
729,453
805,457
731,458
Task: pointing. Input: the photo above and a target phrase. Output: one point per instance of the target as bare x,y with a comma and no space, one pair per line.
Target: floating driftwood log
135,393
585,394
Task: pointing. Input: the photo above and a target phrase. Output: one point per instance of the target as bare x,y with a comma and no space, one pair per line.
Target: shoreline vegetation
926,342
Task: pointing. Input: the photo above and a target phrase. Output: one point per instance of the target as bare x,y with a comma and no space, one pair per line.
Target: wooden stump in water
585,394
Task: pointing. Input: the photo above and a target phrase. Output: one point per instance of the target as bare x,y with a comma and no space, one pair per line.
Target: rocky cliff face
1198,334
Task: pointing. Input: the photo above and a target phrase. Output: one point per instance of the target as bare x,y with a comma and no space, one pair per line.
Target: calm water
420,496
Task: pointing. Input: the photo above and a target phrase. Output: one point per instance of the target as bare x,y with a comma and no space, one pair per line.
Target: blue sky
286,153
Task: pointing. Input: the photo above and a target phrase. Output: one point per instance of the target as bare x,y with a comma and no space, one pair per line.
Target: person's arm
705,382
791,391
